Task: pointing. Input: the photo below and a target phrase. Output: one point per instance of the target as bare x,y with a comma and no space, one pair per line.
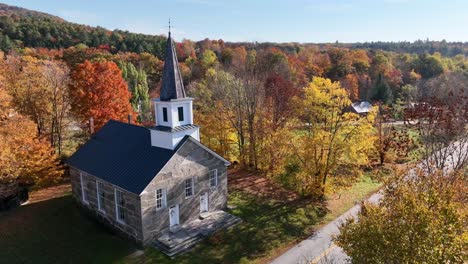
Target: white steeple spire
173,110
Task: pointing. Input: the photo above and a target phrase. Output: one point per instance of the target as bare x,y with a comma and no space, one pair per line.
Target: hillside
21,27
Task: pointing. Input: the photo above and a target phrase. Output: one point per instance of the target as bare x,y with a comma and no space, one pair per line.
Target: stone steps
172,251
177,242
225,225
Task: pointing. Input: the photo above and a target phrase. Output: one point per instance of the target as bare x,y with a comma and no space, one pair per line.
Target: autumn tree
24,158
208,59
334,142
441,125
341,63
420,219
391,144
40,91
275,130
99,91
428,65
351,84
215,116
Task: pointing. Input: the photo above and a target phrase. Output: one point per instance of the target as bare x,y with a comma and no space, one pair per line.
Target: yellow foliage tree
335,142
213,116
39,90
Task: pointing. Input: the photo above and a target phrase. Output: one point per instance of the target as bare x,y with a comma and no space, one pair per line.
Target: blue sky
276,21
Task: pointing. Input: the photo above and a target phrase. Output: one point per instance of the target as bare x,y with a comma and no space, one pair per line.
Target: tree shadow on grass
266,225
56,231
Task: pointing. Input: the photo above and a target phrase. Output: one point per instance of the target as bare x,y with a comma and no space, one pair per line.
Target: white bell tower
173,110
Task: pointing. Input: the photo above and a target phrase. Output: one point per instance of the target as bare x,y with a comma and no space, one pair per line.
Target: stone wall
190,161
131,228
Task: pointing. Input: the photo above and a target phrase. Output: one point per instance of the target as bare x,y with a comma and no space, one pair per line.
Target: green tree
428,65
421,219
382,91
138,86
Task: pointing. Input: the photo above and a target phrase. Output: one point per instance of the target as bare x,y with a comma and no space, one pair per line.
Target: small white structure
362,107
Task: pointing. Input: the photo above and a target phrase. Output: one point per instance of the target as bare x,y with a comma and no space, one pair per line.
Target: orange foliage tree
351,84
23,157
99,91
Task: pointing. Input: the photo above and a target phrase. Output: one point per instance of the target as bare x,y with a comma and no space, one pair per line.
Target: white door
204,203
173,216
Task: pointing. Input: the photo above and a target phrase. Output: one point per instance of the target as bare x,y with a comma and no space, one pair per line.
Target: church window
181,113
100,195
160,198
119,206
188,187
164,114
213,178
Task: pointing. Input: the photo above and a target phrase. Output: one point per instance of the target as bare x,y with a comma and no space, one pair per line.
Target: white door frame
204,203
174,216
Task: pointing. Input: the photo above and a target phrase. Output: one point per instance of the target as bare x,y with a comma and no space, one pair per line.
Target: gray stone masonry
190,161
131,227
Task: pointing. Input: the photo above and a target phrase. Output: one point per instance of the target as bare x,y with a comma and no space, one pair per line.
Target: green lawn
56,231
342,201
266,225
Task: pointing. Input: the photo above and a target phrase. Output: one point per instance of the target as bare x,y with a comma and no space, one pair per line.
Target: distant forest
21,27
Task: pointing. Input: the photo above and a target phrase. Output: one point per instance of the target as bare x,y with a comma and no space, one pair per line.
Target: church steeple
173,110
172,86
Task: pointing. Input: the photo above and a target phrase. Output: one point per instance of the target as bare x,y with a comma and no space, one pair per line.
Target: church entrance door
204,203
173,216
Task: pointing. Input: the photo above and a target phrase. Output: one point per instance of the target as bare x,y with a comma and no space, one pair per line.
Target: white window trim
163,198
98,197
216,178
117,217
86,201
193,188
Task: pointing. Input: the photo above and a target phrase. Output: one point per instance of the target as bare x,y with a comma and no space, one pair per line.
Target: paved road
319,248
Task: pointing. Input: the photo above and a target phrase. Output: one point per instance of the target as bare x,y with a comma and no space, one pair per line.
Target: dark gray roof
175,129
172,86
121,154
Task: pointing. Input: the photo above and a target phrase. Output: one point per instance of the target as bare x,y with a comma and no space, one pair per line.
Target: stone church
159,185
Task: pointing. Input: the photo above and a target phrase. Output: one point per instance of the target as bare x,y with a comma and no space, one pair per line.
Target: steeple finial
172,85
169,26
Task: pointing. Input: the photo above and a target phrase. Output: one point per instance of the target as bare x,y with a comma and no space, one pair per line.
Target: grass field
56,231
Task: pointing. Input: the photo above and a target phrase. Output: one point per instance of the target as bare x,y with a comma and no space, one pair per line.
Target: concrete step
173,243
179,248
226,225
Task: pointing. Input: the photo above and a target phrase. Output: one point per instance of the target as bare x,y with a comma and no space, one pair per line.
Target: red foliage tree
351,84
99,91
279,93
